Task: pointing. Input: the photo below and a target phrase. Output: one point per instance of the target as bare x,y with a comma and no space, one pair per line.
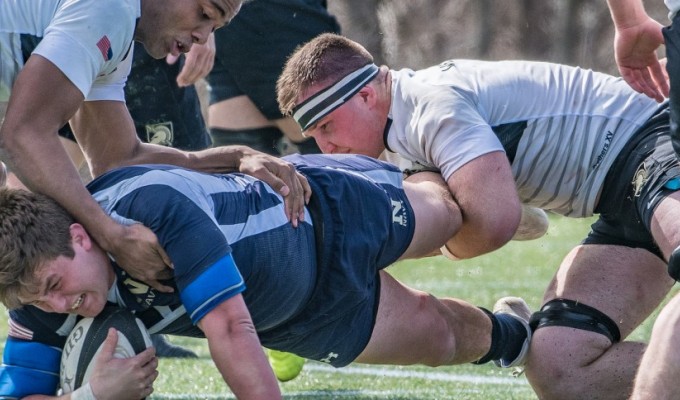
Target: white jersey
90,41
561,127
673,7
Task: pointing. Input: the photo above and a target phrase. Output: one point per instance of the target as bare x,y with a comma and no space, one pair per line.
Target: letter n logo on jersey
104,45
398,213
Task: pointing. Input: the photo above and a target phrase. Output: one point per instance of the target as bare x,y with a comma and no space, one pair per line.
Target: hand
123,378
197,63
283,177
636,57
139,253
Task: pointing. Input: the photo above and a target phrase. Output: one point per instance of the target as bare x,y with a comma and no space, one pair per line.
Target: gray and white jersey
561,126
673,7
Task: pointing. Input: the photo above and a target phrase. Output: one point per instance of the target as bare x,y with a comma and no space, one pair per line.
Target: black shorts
163,112
634,186
253,48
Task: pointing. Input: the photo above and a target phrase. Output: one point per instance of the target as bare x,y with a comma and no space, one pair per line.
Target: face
356,127
74,286
173,26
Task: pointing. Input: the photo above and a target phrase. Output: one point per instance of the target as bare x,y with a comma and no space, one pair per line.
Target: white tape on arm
83,393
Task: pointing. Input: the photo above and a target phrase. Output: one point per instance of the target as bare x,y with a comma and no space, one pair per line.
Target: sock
507,338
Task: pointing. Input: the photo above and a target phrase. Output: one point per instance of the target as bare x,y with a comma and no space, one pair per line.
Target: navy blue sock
507,338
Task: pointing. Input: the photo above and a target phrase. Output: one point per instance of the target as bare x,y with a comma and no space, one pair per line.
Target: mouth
179,48
78,303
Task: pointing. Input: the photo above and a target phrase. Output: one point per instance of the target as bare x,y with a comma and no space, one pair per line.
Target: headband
326,100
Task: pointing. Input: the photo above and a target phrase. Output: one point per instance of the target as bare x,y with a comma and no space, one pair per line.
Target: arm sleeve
28,367
181,215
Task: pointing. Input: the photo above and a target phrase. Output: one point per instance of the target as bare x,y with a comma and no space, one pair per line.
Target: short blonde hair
34,229
324,59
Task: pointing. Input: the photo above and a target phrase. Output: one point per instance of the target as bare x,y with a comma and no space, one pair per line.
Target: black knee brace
260,139
563,312
674,264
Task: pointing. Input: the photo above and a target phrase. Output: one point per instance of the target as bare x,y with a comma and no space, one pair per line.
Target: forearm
245,369
626,13
216,159
237,353
43,166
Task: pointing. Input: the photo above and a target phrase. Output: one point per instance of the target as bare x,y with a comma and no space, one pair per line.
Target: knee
669,318
441,345
558,365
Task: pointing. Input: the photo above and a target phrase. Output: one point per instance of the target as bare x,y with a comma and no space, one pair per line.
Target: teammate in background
318,291
564,139
251,52
76,75
638,37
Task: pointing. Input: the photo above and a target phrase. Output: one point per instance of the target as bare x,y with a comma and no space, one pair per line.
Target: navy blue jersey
312,289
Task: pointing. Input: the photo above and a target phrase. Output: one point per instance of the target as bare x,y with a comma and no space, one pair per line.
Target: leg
624,283
414,327
660,365
437,215
659,369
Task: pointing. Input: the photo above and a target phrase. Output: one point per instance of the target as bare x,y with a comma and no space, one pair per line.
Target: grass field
520,268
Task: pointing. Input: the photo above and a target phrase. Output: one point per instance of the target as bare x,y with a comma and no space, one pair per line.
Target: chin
154,52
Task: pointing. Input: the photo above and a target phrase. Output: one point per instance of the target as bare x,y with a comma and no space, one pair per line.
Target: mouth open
78,303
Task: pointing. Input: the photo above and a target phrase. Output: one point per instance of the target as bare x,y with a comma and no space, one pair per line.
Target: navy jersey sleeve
180,211
32,352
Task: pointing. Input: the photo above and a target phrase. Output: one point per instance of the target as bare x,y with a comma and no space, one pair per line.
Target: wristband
447,253
83,393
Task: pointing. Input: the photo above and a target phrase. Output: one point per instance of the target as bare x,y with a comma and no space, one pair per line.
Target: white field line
433,376
370,371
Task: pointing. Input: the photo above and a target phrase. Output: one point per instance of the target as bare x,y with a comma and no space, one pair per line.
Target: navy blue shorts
363,223
634,186
253,48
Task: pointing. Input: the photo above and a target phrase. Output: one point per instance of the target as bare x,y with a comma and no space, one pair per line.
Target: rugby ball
85,342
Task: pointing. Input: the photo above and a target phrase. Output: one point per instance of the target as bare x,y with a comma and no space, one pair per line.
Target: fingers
159,286
109,345
642,81
197,63
660,77
166,260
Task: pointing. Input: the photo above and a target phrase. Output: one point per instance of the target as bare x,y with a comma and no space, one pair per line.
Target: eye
55,285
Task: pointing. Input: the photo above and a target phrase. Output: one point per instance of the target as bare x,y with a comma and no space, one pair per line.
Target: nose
57,303
327,147
200,35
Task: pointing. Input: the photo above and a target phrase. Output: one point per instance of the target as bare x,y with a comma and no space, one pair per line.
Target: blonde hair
34,229
324,59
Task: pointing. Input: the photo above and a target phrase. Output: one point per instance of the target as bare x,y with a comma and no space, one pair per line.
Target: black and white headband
326,100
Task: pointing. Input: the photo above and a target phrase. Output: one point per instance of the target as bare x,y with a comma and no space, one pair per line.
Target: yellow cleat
286,366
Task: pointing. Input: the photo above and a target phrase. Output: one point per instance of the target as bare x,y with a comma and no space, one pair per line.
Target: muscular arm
236,351
105,131
485,191
42,100
637,39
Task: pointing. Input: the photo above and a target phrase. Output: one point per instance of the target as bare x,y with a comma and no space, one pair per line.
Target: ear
80,237
368,95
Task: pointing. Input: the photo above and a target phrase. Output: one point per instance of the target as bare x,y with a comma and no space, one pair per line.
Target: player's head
173,26
328,86
47,259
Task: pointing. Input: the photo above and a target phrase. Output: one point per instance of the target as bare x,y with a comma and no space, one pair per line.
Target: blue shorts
253,48
363,223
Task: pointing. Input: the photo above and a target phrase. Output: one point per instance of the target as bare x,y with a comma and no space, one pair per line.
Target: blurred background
420,33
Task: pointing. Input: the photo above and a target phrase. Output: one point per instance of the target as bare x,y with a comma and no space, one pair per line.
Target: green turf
520,268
